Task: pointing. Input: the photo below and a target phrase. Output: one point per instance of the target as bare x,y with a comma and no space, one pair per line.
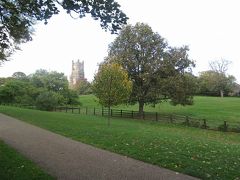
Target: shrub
47,100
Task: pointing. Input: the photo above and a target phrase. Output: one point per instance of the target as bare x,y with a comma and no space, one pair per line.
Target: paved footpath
68,159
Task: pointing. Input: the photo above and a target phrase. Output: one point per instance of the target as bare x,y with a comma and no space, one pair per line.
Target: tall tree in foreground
111,85
151,65
17,18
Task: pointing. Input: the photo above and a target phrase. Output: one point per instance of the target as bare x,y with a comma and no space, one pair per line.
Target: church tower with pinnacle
77,74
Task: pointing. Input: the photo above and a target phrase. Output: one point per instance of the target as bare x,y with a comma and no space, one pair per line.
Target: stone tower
77,73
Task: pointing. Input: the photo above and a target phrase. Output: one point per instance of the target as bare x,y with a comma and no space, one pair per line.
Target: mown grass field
15,166
200,153
214,109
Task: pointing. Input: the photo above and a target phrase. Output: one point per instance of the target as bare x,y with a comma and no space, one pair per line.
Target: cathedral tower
77,73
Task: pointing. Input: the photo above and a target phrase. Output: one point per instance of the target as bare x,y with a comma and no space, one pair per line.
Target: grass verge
15,166
200,153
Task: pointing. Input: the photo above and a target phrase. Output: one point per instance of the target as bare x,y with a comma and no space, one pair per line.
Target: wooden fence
153,116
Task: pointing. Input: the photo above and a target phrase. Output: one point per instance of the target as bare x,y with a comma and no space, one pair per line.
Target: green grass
200,153
15,166
214,109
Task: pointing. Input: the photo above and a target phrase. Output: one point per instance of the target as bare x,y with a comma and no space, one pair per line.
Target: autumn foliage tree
111,85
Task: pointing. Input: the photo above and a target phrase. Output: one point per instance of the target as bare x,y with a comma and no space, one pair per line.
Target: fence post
143,115
102,111
66,109
225,125
111,112
132,114
171,118
121,112
79,110
86,110
204,124
156,116
187,120
94,111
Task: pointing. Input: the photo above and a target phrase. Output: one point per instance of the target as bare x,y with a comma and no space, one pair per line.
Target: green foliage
18,17
151,65
28,90
111,85
48,100
71,97
52,81
200,153
214,83
17,91
83,88
180,88
15,167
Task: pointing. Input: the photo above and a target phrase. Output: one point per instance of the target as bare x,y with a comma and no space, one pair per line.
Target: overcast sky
210,28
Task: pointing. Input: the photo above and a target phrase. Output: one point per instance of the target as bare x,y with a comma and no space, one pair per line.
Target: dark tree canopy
17,18
152,65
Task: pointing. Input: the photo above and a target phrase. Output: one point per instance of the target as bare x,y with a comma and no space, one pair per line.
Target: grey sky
209,27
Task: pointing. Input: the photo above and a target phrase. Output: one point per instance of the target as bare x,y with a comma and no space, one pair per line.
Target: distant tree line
216,81
42,89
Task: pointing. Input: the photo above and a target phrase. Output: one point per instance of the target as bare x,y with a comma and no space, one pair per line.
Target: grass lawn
15,166
214,109
200,153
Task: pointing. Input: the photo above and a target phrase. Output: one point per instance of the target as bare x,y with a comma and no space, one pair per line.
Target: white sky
210,28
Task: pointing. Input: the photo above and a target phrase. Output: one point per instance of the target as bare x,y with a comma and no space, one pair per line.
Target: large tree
17,18
151,65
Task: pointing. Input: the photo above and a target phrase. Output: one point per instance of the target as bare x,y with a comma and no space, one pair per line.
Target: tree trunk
141,105
221,93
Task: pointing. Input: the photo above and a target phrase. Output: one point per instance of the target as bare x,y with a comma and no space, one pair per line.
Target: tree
55,82
47,100
220,67
180,88
71,97
215,83
20,76
111,85
83,87
18,17
52,81
150,62
17,91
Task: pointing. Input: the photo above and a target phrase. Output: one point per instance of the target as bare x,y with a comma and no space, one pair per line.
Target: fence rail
153,116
